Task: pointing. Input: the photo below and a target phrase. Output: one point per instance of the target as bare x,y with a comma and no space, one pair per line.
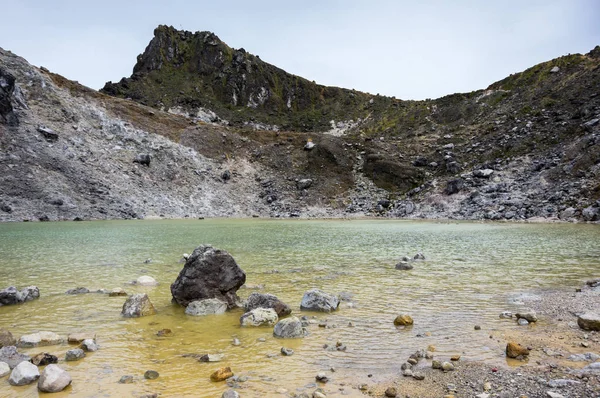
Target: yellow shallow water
473,272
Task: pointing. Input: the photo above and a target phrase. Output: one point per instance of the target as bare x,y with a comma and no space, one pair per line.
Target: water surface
471,272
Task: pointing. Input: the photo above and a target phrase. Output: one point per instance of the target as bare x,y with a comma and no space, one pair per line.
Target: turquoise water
471,272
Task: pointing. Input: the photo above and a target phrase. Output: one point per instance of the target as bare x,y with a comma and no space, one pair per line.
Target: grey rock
127,379
53,379
12,357
590,213
209,273
586,357
48,133
11,295
404,266
137,305
23,374
39,339
142,158
528,315
454,186
317,300
78,290
211,306
561,383
552,394
555,69
4,369
89,345
304,183
231,393
259,317
6,338
211,358
483,173
266,300
419,256
287,351
74,355
589,321
289,328
447,366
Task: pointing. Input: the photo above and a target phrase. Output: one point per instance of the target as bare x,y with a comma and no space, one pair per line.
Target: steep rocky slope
224,133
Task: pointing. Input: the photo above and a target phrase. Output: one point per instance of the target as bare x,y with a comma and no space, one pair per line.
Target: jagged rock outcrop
209,273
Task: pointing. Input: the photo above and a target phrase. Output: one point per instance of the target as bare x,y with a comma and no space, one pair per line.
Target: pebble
477,327
322,377
447,367
407,373
74,354
151,375
391,392
127,379
236,342
287,351
523,322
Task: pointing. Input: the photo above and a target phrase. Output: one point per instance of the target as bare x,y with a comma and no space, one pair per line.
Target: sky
407,49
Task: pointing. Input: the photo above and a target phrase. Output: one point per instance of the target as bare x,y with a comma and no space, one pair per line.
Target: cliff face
214,131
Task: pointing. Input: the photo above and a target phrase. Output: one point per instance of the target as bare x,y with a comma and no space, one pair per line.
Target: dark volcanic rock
11,295
454,186
142,158
266,300
209,273
7,86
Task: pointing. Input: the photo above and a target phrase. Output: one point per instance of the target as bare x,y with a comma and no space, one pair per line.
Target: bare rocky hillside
171,141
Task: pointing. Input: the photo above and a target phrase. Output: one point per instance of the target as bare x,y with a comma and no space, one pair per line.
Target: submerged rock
12,357
146,280
151,375
54,379
78,337
259,317
117,292
289,328
209,273
266,300
11,295
23,374
404,266
137,305
78,290
6,338
317,300
206,307
74,354
39,339
403,320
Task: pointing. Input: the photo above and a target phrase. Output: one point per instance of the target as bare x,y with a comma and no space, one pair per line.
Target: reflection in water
471,274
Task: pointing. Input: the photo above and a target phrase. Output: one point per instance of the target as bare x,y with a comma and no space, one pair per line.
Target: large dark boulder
11,295
266,300
209,273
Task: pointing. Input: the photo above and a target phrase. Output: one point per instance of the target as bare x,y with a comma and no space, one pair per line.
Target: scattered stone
4,369
146,280
89,345
6,338
555,69
515,350
454,186
143,159
44,358
431,348
553,394
231,393
11,295
117,292
587,357
447,366
418,376
266,300
164,333
259,317
24,373
528,315
304,183
12,357
211,306
211,358
39,339
412,361
151,375
391,392
589,321
477,327
209,273
435,364
222,373
403,320
322,378
74,355
506,314
419,256
561,383
289,328
522,322
483,173
317,300
404,266
80,336
137,305
236,342
287,351
407,373
78,290
127,379
455,358
48,133
53,379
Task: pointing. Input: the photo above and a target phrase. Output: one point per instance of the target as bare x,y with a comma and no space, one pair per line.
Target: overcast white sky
407,49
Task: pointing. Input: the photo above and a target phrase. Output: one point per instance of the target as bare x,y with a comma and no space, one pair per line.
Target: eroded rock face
137,305
7,86
53,379
266,300
317,300
209,273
